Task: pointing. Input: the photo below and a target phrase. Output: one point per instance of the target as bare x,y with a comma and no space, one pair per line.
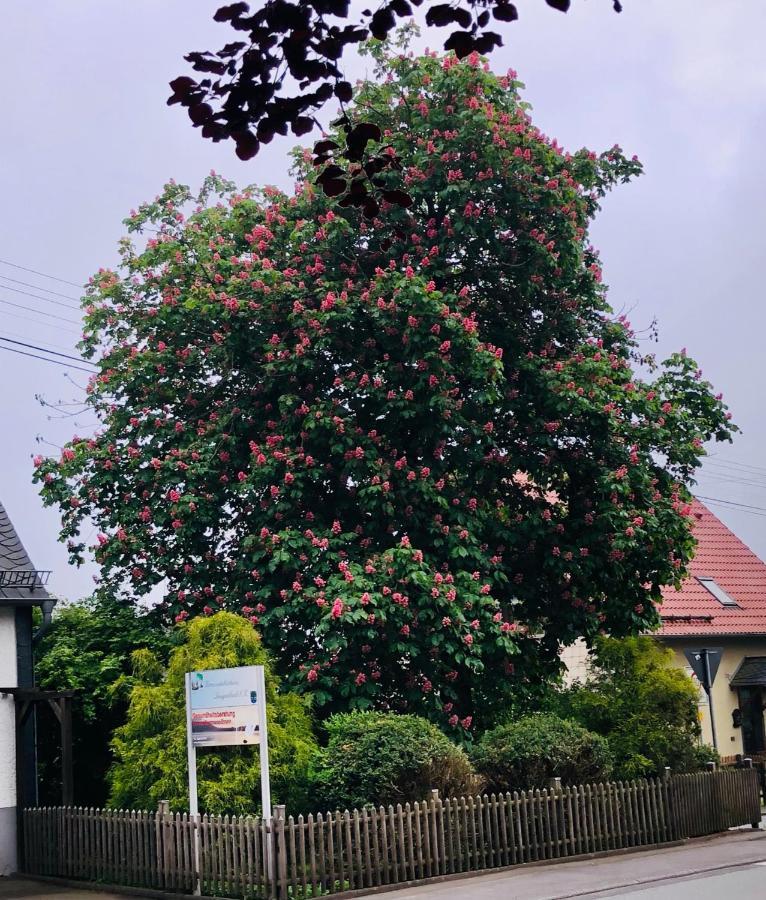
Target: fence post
747,763
672,811
434,807
278,823
163,844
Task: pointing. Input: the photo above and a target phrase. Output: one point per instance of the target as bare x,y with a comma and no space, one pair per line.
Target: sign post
705,664
226,708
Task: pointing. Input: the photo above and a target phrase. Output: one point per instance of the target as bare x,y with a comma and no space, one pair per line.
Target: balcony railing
23,578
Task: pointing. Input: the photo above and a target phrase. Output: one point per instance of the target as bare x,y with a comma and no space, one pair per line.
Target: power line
16,334
57,362
38,322
7,287
733,479
761,509
39,287
45,350
729,464
42,274
40,312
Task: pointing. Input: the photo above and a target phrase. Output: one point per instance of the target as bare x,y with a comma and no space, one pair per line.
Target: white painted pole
191,756
266,811
264,744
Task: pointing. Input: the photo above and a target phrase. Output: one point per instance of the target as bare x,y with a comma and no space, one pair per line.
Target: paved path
621,875
744,883
732,866
16,888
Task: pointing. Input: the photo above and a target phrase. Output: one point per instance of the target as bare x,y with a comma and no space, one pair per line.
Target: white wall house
22,587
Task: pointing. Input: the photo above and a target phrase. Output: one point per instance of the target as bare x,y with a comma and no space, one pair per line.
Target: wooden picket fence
311,856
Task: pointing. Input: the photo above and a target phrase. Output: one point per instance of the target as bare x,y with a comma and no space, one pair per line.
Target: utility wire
25,337
7,287
45,350
715,461
732,479
39,287
732,503
42,274
40,312
38,322
58,362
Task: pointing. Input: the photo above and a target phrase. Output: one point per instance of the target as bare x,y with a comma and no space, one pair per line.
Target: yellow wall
724,698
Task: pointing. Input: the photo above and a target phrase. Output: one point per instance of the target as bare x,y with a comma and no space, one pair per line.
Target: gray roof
751,672
20,582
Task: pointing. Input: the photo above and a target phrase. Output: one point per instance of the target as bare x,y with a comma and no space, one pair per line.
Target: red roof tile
722,556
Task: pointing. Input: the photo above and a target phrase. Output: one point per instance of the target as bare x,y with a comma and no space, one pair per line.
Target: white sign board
226,707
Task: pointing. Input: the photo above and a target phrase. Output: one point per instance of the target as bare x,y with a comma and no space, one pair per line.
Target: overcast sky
86,136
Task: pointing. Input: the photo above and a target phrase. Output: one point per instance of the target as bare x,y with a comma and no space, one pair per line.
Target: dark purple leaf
446,14
505,12
199,113
401,7
343,91
247,145
232,11
324,147
182,87
329,173
560,5
487,42
382,22
398,198
302,125
334,187
231,49
462,42
370,208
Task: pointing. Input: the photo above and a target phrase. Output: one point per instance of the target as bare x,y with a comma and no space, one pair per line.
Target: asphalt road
746,882
724,868
727,867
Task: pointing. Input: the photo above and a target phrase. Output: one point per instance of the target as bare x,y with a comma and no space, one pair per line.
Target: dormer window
712,587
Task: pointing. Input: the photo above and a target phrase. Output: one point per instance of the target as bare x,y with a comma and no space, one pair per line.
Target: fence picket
362,849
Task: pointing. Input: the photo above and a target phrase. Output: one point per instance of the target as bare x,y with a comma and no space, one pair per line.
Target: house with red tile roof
720,607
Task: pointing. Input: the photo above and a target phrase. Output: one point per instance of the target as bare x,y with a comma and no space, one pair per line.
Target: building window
712,587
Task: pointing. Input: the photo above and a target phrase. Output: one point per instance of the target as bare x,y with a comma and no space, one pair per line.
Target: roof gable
723,557
18,584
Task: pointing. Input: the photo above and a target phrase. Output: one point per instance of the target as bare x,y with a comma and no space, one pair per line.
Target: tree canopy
245,94
417,452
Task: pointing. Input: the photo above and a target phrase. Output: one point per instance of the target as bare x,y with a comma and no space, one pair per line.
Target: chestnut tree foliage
413,451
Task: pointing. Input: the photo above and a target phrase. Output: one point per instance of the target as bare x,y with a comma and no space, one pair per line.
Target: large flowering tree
414,451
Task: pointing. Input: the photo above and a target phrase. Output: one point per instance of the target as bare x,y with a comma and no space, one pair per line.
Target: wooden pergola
60,703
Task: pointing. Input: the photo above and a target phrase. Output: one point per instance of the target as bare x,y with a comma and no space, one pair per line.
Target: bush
529,752
88,649
381,758
150,748
643,704
701,755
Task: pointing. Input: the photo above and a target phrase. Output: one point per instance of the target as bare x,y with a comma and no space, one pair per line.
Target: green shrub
88,649
528,752
381,758
701,755
642,703
150,748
